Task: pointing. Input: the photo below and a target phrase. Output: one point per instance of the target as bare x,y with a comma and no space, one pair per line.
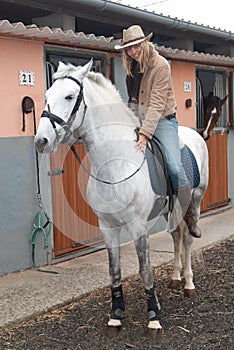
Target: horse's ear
61,66
224,99
85,69
90,63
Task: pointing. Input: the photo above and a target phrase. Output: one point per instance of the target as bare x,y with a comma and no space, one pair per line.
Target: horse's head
63,102
212,112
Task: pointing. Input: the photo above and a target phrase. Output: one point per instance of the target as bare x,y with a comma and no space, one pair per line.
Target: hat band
133,40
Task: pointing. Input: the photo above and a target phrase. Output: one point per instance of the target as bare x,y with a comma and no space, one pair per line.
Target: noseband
68,124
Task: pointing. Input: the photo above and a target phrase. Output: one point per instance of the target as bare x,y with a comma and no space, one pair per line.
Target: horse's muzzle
41,144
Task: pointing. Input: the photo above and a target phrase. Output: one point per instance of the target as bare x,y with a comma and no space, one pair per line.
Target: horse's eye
69,97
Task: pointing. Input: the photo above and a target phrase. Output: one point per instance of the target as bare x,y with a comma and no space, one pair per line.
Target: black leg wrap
118,307
153,306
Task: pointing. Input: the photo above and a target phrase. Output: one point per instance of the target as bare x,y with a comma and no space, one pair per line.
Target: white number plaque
26,78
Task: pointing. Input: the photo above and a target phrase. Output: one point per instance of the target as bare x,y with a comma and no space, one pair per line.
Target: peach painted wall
19,55
184,72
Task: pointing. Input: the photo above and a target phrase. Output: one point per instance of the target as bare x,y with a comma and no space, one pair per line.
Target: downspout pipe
151,18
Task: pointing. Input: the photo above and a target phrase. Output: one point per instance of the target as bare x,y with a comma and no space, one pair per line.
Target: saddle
159,175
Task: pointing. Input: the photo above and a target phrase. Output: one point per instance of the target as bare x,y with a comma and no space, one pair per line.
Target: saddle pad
190,166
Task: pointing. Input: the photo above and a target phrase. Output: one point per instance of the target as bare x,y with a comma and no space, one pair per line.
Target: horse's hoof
154,333
174,284
190,293
154,330
112,332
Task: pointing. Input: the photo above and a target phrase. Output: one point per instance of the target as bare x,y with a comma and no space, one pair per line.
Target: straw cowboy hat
132,36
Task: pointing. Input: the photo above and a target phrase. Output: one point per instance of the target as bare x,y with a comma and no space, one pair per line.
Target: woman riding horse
151,95
81,103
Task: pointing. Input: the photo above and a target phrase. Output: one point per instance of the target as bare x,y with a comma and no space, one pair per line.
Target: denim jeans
167,133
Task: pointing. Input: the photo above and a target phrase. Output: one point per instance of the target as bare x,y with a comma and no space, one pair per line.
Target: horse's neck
107,120
108,140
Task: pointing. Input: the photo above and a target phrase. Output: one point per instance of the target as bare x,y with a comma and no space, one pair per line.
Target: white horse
85,104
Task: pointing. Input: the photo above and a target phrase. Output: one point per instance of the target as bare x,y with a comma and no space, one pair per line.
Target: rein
100,180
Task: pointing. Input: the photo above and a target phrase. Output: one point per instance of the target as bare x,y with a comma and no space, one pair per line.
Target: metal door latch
55,172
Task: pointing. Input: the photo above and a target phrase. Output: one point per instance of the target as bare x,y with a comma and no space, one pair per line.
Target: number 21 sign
26,78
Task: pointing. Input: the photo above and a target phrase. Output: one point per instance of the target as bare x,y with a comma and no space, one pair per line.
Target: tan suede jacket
156,94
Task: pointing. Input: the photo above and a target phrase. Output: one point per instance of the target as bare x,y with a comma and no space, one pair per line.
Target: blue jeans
167,133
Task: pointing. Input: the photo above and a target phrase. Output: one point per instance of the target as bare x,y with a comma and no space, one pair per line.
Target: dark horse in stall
212,112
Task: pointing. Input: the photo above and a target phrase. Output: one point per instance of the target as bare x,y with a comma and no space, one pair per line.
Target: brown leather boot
190,219
184,197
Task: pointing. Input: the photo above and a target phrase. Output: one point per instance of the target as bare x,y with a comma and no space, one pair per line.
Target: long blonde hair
147,47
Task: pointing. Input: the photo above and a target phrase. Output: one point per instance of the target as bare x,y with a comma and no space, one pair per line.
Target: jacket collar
153,58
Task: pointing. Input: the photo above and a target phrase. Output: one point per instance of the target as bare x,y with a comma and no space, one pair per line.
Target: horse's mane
69,69
106,84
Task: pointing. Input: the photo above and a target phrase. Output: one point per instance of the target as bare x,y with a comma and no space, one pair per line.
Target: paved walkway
24,294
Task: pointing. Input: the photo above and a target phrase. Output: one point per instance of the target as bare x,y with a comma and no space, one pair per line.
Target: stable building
32,41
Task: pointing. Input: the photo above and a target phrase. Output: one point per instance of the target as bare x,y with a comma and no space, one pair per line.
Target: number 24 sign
26,78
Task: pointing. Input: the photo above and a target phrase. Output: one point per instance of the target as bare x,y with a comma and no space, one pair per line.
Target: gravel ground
205,322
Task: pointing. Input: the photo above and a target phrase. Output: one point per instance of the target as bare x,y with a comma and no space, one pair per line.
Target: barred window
210,82
76,58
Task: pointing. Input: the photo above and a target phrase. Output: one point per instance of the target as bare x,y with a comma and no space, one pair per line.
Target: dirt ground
205,322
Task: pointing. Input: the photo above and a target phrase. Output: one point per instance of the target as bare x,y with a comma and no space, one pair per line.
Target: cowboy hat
132,36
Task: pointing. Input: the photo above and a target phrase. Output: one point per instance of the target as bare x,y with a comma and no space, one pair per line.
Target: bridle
68,132
66,125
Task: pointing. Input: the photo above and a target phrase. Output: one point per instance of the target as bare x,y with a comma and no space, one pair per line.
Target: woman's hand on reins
142,142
